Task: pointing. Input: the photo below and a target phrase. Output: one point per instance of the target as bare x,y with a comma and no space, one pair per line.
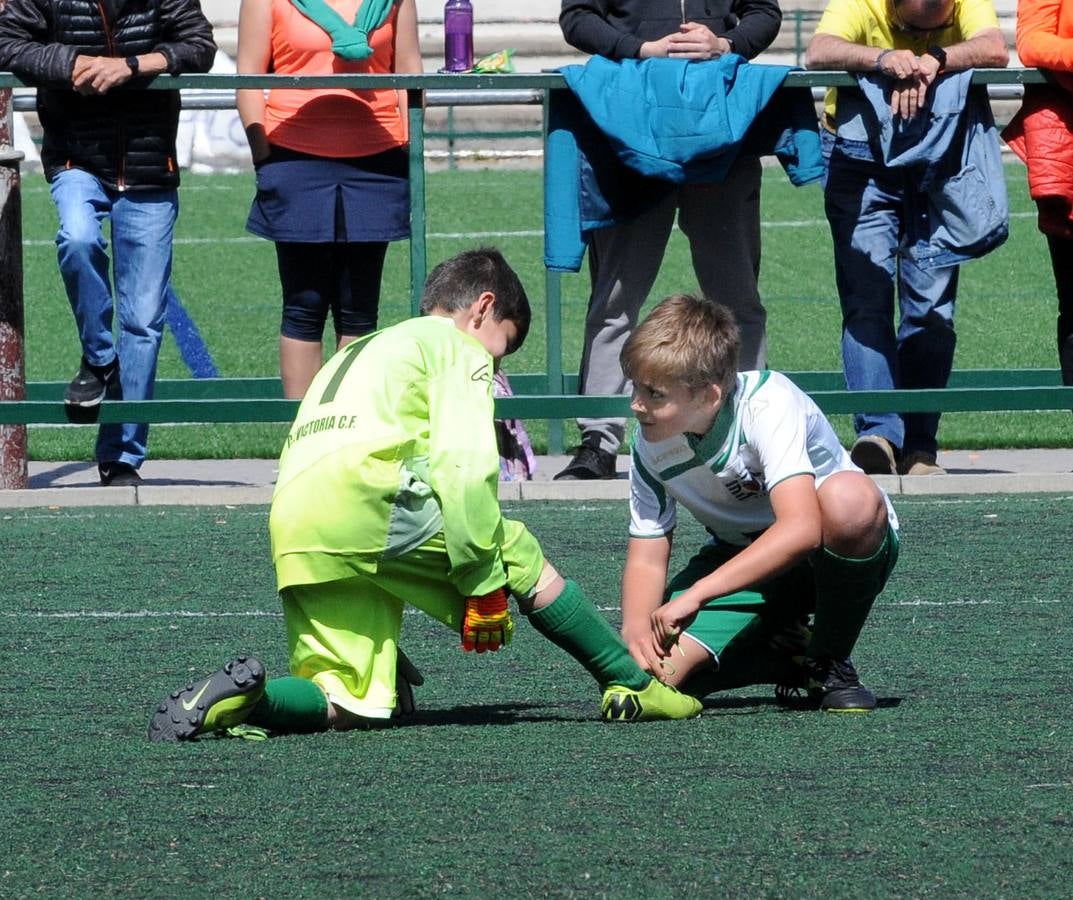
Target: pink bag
516,459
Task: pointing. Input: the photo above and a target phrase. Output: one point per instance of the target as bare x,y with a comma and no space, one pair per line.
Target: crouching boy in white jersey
796,529
387,495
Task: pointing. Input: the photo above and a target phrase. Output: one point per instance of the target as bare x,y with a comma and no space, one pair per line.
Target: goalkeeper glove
487,624
407,677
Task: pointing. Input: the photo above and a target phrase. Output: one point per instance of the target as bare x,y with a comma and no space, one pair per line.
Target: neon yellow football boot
654,702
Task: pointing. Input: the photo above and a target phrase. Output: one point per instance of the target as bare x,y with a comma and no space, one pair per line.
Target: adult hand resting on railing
877,200
99,74
692,41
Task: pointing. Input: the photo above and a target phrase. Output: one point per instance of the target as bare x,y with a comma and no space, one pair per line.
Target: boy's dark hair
457,282
685,339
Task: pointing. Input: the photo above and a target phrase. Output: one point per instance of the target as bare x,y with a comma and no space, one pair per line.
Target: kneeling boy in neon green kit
387,495
796,529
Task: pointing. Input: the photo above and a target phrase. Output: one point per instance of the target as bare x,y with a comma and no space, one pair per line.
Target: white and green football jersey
393,444
767,431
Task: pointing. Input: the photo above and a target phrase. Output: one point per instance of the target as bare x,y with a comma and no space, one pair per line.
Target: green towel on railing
350,41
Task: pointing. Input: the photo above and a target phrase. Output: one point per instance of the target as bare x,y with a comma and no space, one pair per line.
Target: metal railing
215,400
538,395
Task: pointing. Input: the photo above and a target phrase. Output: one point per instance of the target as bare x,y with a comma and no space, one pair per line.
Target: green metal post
418,218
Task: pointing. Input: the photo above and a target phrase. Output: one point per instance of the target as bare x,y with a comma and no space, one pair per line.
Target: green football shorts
737,629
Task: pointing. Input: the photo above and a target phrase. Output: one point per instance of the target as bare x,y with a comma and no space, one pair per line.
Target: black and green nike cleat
828,684
221,701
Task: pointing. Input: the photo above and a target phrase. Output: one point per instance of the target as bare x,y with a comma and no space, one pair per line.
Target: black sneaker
590,462
88,387
833,685
118,474
217,703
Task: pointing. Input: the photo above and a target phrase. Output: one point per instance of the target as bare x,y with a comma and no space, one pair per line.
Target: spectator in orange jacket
1042,135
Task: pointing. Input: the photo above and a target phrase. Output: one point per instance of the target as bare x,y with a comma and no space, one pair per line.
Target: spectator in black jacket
721,221
109,153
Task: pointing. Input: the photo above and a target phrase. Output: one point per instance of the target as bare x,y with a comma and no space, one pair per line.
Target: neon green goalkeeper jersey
393,443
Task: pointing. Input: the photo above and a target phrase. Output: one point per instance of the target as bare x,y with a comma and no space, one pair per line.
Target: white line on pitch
83,614
1035,600
179,614
76,615
982,500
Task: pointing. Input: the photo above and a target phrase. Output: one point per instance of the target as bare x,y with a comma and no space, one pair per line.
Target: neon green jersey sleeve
393,443
464,472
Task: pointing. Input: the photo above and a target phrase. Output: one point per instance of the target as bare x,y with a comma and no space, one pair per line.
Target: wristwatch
132,61
939,54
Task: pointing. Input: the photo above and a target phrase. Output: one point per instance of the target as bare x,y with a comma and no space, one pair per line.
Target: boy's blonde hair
685,339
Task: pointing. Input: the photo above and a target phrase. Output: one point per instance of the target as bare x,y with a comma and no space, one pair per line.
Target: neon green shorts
344,634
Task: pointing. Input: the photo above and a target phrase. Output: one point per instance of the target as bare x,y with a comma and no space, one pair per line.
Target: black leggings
1062,261
341,277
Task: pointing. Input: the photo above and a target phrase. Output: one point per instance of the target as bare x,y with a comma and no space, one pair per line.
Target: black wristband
939,54
132,61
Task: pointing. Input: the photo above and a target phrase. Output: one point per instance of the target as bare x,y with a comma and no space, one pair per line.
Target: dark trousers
1062,261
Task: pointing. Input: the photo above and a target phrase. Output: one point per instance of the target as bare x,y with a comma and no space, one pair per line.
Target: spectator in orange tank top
331,164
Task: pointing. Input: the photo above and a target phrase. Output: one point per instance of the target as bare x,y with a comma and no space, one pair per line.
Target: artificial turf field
504,783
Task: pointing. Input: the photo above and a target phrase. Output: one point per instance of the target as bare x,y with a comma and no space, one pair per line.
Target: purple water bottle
457,36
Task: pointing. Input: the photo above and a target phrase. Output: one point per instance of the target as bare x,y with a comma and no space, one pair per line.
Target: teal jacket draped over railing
629,131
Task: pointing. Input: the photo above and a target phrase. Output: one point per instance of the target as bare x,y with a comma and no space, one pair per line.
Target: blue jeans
866,207
142,224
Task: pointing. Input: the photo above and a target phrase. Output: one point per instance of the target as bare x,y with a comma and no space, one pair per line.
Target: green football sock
572,623
291,706
845,591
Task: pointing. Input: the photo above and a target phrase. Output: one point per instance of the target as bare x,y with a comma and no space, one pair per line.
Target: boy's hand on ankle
669,621
643,648
486,624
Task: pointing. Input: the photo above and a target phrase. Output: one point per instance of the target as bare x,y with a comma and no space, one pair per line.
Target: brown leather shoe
921,463
874,455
